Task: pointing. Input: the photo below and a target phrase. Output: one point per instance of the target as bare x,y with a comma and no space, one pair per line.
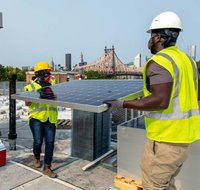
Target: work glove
114,105
47,93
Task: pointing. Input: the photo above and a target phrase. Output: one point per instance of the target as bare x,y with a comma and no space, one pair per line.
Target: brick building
60,76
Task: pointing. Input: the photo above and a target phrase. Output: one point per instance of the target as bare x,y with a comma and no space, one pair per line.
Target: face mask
47,78
44,78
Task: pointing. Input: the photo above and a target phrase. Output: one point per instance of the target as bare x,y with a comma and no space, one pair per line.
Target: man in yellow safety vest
42,119
171,104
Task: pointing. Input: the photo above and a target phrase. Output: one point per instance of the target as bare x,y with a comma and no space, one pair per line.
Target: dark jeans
40,131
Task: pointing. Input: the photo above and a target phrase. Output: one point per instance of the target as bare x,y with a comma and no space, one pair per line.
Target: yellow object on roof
123,183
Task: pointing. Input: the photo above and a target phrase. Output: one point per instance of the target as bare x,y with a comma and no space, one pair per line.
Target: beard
152,46
153,49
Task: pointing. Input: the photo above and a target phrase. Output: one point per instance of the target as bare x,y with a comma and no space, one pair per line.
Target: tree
95,75
21,75
3,76
5,71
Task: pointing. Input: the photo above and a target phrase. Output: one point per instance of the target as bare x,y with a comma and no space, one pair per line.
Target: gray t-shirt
158,74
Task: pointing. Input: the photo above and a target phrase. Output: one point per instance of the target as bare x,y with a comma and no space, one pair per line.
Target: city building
137,60
68,64
26,68
52,65
192,51
60,76
82,62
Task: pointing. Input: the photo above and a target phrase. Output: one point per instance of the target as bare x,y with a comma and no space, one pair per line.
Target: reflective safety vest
42,112
180,122
53,81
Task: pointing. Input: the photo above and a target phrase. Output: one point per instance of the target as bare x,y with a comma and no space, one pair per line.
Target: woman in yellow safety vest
171,105
53,80
42,119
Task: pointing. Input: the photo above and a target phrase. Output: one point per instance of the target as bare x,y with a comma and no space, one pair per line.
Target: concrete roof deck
19,173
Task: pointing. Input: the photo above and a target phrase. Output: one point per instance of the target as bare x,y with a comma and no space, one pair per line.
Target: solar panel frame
87,95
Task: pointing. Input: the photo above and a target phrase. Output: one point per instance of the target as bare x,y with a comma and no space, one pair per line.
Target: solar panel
86,95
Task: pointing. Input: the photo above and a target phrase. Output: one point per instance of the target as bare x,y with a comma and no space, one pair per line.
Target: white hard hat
164,20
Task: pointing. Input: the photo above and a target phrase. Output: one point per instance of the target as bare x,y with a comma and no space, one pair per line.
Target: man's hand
114,105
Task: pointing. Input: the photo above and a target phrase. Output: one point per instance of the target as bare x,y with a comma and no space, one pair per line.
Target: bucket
2,154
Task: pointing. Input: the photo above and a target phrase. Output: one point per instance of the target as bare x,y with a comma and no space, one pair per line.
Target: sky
42,30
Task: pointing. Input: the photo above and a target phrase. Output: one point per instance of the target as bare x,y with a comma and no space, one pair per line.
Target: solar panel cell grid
86,95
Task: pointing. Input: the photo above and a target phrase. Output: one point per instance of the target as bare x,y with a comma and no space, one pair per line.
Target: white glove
114,105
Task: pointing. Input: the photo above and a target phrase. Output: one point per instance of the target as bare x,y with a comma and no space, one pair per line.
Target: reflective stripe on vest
176,113
37,108
43,109
194,71
42,112
32,86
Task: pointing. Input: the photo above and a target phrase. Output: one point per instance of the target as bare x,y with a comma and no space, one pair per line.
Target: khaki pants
160,163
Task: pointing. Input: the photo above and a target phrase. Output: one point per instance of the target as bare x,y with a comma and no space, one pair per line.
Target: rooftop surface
19,173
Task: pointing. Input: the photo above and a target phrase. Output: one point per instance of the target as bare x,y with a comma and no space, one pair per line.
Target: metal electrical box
90,134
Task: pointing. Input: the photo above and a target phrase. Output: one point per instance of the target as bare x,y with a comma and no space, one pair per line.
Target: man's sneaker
36,163
47,171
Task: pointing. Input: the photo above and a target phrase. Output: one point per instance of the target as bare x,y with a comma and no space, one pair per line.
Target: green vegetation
95,75
5,71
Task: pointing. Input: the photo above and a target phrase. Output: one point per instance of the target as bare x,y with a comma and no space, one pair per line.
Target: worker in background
77,77
53,80
67,80
42,119
171,101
